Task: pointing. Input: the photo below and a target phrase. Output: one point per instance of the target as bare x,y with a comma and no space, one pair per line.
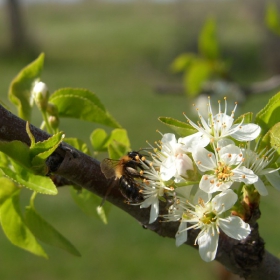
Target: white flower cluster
198,172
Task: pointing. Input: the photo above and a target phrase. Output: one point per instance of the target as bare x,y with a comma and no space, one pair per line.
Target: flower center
208,218
223,172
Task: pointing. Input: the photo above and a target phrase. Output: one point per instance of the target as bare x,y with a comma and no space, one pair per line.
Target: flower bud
52,110
53,121
40,94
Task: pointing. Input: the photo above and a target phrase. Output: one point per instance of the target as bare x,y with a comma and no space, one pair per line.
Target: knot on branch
248,253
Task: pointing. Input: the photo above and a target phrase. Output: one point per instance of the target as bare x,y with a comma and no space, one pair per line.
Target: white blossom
210,217
220,126
153,188
172,159
184,196
258,162
222,168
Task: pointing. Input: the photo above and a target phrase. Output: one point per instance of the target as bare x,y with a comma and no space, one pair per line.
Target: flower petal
149,201
273,179
200,194
193,141
208,245
154,211
182,234
224,142
247,132
260,187
210,184
231,155
245,175
168,168
183,163
224,201
204,159
235,227
168,138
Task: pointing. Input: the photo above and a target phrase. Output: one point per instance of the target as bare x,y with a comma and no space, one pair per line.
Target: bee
125,171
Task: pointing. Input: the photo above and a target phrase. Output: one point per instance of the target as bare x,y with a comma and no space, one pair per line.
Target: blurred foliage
272,18
206,65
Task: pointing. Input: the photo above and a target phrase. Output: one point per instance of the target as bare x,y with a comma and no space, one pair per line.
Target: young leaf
271,139
102,215
20,88
101,140
269,115
98,138
77,144
198,73
119,135
26,178
42,150
30,135
18,151
89,204
247,118
181,128
275,136
47,233
116,150
7,188
207,43
272,18
15,228
182,62
81,104
49,145
4,161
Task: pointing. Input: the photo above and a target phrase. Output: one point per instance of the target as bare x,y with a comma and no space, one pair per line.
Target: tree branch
246,258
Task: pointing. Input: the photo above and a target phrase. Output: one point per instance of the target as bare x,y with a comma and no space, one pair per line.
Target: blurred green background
122,52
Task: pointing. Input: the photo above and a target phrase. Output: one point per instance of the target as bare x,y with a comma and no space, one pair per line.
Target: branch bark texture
247,258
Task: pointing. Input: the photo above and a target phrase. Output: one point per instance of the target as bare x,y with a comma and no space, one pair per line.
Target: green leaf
275,136
269,115
272,18
42,150
33,157
21,86
271,139
77,144
18,151
181,128
4,161
81,104
199,72
207,42
182,62
102,214
247,118
7,188
98,139
15,229
119,135
30,135
47,233
89,203
48,145
26,178
116,150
